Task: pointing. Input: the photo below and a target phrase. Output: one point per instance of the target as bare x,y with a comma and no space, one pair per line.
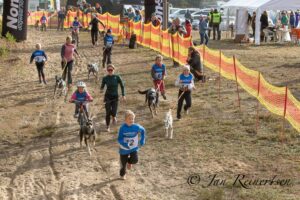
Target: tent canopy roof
250,4
264,4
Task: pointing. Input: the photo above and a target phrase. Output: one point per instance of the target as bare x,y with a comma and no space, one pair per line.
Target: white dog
169,124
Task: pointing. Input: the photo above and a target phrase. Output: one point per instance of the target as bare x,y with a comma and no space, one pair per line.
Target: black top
95,24
195,61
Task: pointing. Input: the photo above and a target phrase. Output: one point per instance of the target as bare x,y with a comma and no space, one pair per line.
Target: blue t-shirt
186,80
39,56
81,96
108,41
76,25
158,71
129,138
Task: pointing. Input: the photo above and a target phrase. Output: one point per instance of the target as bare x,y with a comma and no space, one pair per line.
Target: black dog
152,97
88,132
60,84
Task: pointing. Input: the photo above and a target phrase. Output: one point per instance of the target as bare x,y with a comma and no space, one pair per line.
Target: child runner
108,44
158,74
40,59
186,83
43,22
81,95
75,30
129,142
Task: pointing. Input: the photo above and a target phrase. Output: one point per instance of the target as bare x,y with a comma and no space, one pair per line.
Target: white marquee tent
260,6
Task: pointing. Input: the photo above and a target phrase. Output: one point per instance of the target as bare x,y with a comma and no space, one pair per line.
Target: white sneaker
187,112
108,129
76,115
114,120
123,177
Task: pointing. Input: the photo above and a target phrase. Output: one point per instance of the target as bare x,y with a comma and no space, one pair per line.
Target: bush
3,51
10,37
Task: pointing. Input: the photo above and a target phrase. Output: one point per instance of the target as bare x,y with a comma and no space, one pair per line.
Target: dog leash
172,107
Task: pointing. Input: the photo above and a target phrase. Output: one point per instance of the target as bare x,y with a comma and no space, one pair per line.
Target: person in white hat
185,82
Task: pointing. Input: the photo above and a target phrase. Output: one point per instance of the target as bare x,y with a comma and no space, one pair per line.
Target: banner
154,6
15,14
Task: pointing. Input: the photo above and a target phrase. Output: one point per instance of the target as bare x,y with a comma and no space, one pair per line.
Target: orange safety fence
113,23
278,100
155,38
103,18
137,29
175,47
166,44
147,35
184,44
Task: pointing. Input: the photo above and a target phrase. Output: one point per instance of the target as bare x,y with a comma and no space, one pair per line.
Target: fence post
257,106
220,65
203,54
282,137
237,85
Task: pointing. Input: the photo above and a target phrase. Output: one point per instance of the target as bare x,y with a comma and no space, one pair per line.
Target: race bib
132,142
158,75
39,59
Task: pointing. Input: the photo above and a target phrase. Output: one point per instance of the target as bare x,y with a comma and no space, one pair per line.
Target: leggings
106,56
40,69
131,158
188,99
94,35
68,70
111,107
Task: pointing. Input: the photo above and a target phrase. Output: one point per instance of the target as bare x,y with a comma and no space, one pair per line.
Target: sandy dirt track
40,157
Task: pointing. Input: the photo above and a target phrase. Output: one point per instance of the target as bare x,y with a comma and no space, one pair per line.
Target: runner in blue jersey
107,49
158,74
185,82
40,59
76,25
129,142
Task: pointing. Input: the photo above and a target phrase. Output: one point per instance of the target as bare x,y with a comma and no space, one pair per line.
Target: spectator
264,24
188,28
210,23
203,26
61,18
253,23
194,61
130,14
216,20
176,27
188,16
137,16
297,18
284,19
98,8
292,20
155,21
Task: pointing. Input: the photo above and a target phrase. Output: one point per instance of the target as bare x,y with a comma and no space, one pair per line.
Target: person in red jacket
188,28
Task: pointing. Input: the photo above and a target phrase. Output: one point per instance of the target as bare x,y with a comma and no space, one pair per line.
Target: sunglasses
110,70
